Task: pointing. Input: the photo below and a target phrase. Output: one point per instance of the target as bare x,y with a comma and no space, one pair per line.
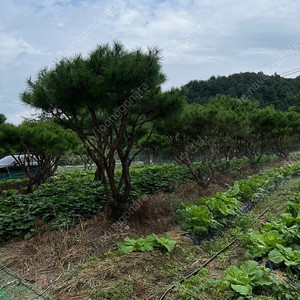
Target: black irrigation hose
196,270
215,255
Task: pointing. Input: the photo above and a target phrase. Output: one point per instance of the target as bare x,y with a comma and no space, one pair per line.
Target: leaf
146,247
289,256
276,257
167,243
264,281
28,235
236,275
125,249
128,241
248,276
245,290
249,266
262,242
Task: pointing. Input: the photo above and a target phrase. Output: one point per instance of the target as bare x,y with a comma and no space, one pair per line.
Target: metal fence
14,287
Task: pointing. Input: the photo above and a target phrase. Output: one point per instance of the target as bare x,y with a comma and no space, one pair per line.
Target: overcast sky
198,38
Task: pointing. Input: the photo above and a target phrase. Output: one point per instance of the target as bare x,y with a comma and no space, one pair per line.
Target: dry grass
149,273
42,258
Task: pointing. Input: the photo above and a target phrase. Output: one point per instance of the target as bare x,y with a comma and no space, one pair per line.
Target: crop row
279,239
212,213
275,243
278,244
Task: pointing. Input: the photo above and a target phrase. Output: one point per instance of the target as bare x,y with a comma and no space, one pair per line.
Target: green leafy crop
260,242
250,274
147,244
288,256
278,234
252,279
279,239
197,219
221,205
213,212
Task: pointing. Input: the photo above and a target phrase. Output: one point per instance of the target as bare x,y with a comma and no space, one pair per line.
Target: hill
275,90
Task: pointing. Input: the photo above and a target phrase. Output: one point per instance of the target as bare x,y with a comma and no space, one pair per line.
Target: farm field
85,261
149,151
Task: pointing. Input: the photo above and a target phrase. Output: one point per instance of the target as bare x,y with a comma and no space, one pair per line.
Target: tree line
111,105
225,128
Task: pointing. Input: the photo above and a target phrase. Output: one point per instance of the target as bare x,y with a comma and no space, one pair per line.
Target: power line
297,69
266,64
292,73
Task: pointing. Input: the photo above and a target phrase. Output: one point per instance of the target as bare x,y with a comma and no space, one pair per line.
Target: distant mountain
275,90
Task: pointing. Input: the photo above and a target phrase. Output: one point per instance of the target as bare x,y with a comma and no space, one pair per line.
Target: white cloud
12,46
